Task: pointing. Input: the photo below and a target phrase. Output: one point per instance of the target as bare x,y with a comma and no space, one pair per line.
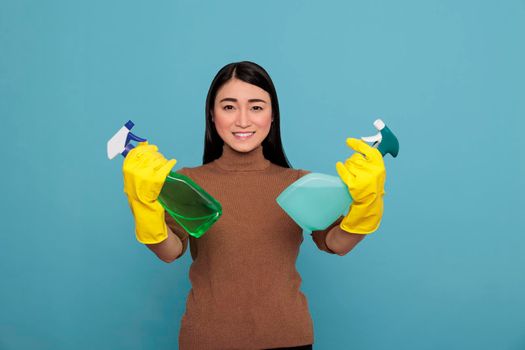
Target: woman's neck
232,160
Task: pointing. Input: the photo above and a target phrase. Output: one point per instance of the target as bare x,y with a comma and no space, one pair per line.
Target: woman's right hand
145,170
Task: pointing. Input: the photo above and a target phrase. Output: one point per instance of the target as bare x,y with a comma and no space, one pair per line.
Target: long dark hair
254,74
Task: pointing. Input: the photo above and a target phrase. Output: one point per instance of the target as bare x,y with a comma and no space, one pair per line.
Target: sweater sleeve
175,227
319,237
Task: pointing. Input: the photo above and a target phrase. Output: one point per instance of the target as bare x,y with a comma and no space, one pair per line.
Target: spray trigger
373,139
133,137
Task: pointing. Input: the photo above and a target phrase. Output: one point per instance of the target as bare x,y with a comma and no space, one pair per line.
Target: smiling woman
242,98
245,286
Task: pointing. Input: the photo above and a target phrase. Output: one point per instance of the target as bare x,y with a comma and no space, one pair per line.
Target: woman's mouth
243,135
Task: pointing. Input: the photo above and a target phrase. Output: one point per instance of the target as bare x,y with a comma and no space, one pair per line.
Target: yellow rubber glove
364,174
145,171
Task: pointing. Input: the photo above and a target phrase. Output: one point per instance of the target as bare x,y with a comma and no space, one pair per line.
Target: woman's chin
243,146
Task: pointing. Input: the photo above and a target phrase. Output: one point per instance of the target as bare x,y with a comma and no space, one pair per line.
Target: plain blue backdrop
444,271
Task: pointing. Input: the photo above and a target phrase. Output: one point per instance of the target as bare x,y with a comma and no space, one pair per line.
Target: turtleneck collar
232,160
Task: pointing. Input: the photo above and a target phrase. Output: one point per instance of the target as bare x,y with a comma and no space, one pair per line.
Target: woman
245,287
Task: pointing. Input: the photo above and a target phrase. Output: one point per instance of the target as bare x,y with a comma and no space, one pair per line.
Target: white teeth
243,134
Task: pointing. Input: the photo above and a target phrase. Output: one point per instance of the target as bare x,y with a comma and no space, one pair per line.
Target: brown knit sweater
245,287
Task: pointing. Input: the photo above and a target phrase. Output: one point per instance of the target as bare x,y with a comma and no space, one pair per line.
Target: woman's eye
257,108
227,107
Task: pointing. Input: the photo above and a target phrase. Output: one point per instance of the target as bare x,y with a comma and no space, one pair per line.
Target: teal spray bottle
316,200
190,205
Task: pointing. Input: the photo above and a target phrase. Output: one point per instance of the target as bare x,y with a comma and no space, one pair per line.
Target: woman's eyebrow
231,99
256,100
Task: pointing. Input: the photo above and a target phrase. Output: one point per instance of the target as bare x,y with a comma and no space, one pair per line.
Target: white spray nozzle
377,138
117,144
379,124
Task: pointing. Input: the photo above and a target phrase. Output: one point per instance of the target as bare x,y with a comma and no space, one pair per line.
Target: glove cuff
150,224
363,218
151,237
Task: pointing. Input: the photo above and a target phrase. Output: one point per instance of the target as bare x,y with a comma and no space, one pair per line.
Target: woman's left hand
364,173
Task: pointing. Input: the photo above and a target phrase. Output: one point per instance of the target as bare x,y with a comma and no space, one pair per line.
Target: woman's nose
243,119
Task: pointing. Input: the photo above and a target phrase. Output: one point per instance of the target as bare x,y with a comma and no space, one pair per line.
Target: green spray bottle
186,202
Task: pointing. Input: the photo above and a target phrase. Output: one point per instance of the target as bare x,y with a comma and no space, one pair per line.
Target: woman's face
242,113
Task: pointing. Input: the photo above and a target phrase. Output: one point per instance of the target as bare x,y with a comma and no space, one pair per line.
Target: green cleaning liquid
186,202
189,204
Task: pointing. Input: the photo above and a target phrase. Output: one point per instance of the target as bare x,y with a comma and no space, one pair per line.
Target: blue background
446,267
